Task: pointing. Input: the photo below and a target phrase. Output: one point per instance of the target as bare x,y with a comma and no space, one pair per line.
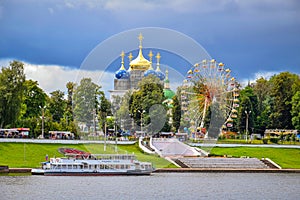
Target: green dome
169,94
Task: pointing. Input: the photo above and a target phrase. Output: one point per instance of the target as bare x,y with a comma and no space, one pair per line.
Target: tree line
24,104
269,104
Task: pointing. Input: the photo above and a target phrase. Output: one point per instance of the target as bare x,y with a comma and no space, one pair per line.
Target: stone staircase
223,163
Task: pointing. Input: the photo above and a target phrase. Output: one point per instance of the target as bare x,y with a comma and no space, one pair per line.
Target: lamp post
132,121
247,119
94,122
141,112
104,147
43,118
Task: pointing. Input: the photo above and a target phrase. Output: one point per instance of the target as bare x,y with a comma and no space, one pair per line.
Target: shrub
222,137
274,140
265,140
293,138
231,136
288,138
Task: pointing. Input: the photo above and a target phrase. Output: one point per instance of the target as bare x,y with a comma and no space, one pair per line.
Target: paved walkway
246,145
47,141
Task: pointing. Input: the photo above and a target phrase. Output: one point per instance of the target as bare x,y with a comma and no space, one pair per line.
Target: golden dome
140,62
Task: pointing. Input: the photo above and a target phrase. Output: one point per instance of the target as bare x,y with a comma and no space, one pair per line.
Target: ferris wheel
209,96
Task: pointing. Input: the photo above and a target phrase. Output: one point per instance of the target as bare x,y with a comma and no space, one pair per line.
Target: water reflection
157,186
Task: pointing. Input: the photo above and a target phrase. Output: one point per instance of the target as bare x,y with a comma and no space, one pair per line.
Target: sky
55,37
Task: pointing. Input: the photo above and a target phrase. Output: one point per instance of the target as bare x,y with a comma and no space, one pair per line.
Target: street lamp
43,118
247,119
142,113
132,121
94,121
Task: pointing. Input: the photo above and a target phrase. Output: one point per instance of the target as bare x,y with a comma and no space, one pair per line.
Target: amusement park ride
209,99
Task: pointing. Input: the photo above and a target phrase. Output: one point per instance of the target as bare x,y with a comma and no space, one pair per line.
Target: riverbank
29,155
222,170
192,170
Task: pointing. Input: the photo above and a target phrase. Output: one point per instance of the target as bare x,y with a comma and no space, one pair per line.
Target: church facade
140,67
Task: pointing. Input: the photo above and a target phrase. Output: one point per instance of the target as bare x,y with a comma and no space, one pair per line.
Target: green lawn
30,155
243,141
285,157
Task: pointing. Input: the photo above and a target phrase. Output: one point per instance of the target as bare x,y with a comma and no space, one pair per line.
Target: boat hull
37,172
144,173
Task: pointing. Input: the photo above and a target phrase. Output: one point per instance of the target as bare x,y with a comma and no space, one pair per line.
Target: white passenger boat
94,165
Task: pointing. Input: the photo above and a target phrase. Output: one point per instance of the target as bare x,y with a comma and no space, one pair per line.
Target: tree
123,111
148,98
89,102
295,112
103,109
57,105
69,111
12,80
261,89
284,86
176,113
34,99
244,110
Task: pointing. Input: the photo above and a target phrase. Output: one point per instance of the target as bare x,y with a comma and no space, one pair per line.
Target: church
140,67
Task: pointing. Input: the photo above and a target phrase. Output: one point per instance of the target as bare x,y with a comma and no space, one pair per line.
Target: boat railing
114,156
102,156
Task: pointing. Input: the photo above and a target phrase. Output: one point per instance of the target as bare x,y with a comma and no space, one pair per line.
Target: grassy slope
12,154
286,158
30,155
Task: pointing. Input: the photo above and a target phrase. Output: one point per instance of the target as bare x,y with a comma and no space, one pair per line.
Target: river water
158,186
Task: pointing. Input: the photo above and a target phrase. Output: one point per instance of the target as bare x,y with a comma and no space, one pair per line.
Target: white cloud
260,74
55,77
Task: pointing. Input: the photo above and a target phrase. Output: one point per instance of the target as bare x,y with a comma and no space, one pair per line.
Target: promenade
47,141
245,145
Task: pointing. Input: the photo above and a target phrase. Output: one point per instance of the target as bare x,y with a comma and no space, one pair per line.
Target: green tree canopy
283,87
85,101
150,93
12,80
176,113
296,110
57,105
34,99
